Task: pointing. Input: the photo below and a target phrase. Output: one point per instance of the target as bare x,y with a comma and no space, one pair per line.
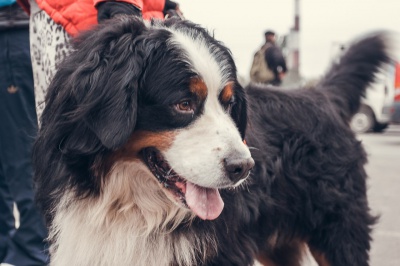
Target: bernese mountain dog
143,157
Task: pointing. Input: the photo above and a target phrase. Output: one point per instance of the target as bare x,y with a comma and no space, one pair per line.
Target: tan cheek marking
130,151
143,139
227,93
140,140
198,87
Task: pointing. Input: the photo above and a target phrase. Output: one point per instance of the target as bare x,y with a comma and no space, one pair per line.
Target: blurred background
322,25
311,33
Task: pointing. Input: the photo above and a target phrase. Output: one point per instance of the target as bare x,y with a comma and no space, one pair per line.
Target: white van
374,114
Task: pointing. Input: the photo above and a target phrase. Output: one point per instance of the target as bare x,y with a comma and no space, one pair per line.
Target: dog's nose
238,168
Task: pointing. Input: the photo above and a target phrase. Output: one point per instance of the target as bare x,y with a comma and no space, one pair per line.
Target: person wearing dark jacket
275,60
23,245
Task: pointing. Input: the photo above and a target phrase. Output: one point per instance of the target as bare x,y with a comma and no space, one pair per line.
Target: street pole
293,51
296,37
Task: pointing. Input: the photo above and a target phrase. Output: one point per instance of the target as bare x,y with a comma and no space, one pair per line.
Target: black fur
309,182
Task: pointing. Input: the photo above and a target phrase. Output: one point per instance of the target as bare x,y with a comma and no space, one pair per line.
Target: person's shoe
6,264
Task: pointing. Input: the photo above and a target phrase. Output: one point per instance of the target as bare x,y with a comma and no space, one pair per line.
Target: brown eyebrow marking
227,93
198,87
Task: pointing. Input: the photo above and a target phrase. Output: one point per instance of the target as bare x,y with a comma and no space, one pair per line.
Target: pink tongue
205,202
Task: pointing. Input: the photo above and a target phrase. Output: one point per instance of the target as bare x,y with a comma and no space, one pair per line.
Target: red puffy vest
79,15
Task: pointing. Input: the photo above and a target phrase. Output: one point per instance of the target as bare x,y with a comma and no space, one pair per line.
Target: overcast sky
324,24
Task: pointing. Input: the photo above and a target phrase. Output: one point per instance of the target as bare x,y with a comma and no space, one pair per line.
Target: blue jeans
25,245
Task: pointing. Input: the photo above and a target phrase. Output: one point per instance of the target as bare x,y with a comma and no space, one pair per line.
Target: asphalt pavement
383,169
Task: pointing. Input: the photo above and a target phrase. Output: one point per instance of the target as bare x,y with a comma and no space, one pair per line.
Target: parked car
375,112
396,106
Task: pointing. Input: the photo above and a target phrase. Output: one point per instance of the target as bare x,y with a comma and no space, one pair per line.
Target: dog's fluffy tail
348,79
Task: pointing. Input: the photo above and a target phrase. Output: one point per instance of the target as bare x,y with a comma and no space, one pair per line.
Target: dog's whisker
169,171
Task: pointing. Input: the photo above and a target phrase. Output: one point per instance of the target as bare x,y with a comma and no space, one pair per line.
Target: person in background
23,245
54,22
269,65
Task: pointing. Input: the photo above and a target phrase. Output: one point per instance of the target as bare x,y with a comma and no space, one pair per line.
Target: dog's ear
108,63
239,109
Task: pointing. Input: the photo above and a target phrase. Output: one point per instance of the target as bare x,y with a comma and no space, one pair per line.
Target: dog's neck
131,222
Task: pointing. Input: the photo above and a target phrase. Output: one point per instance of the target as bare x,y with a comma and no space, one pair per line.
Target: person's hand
179,12
171,9
107,10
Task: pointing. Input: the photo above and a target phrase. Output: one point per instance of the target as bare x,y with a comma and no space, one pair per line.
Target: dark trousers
25,245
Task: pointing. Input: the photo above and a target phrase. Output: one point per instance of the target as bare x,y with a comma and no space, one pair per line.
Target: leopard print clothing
49,45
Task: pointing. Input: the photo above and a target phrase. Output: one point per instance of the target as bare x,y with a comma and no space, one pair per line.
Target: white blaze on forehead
214,75
199,151
202,59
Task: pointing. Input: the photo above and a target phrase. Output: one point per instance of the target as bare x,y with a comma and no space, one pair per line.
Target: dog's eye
185,106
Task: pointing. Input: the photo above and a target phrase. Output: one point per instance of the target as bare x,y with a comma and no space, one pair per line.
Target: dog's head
161,96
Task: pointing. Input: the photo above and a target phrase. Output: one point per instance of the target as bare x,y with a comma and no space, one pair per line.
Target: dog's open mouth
204,202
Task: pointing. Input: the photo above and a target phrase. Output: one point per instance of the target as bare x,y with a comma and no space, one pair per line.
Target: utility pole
292,47
296,35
